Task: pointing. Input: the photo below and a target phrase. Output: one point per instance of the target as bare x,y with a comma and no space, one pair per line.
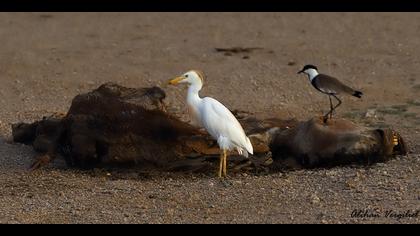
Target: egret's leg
220,165
224,163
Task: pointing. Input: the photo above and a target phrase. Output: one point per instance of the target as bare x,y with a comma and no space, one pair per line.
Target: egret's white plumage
212,115
223,126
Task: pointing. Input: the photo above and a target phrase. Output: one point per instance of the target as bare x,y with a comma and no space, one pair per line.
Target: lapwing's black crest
308,67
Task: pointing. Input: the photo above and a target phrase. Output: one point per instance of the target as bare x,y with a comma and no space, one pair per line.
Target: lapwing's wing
331,85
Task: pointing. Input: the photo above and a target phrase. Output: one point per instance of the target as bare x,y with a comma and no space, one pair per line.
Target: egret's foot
226,183
219,174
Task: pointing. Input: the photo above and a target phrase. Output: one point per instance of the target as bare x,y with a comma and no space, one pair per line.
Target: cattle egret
219,122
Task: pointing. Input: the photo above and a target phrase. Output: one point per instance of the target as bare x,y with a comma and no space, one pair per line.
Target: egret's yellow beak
176,80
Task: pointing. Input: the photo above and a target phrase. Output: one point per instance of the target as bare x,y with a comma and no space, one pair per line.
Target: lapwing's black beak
301,71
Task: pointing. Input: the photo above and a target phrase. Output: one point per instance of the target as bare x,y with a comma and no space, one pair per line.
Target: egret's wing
218,120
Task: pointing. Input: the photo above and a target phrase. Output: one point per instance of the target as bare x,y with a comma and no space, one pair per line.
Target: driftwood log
117,125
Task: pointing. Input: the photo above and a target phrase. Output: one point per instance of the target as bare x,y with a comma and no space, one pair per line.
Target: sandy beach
48,58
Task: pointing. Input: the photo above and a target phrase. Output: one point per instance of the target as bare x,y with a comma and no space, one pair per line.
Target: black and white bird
328,85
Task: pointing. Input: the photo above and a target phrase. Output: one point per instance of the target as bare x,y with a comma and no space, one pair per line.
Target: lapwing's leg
329,114
224,163
220,165
331,107
339,102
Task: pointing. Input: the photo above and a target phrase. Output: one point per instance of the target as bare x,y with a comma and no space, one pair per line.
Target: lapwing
328,85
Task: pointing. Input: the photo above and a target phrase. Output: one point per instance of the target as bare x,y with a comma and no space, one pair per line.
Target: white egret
219,122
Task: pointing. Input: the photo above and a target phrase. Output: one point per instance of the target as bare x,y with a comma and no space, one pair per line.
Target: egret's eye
186,76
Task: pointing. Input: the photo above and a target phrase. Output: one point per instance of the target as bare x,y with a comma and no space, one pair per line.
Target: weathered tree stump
117,125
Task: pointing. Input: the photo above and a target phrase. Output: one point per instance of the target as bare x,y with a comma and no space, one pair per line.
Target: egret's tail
249,147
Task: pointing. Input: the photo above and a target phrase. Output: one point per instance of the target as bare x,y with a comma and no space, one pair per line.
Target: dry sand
48,58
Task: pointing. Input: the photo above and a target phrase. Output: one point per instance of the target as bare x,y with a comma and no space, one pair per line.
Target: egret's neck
193,97
312,73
